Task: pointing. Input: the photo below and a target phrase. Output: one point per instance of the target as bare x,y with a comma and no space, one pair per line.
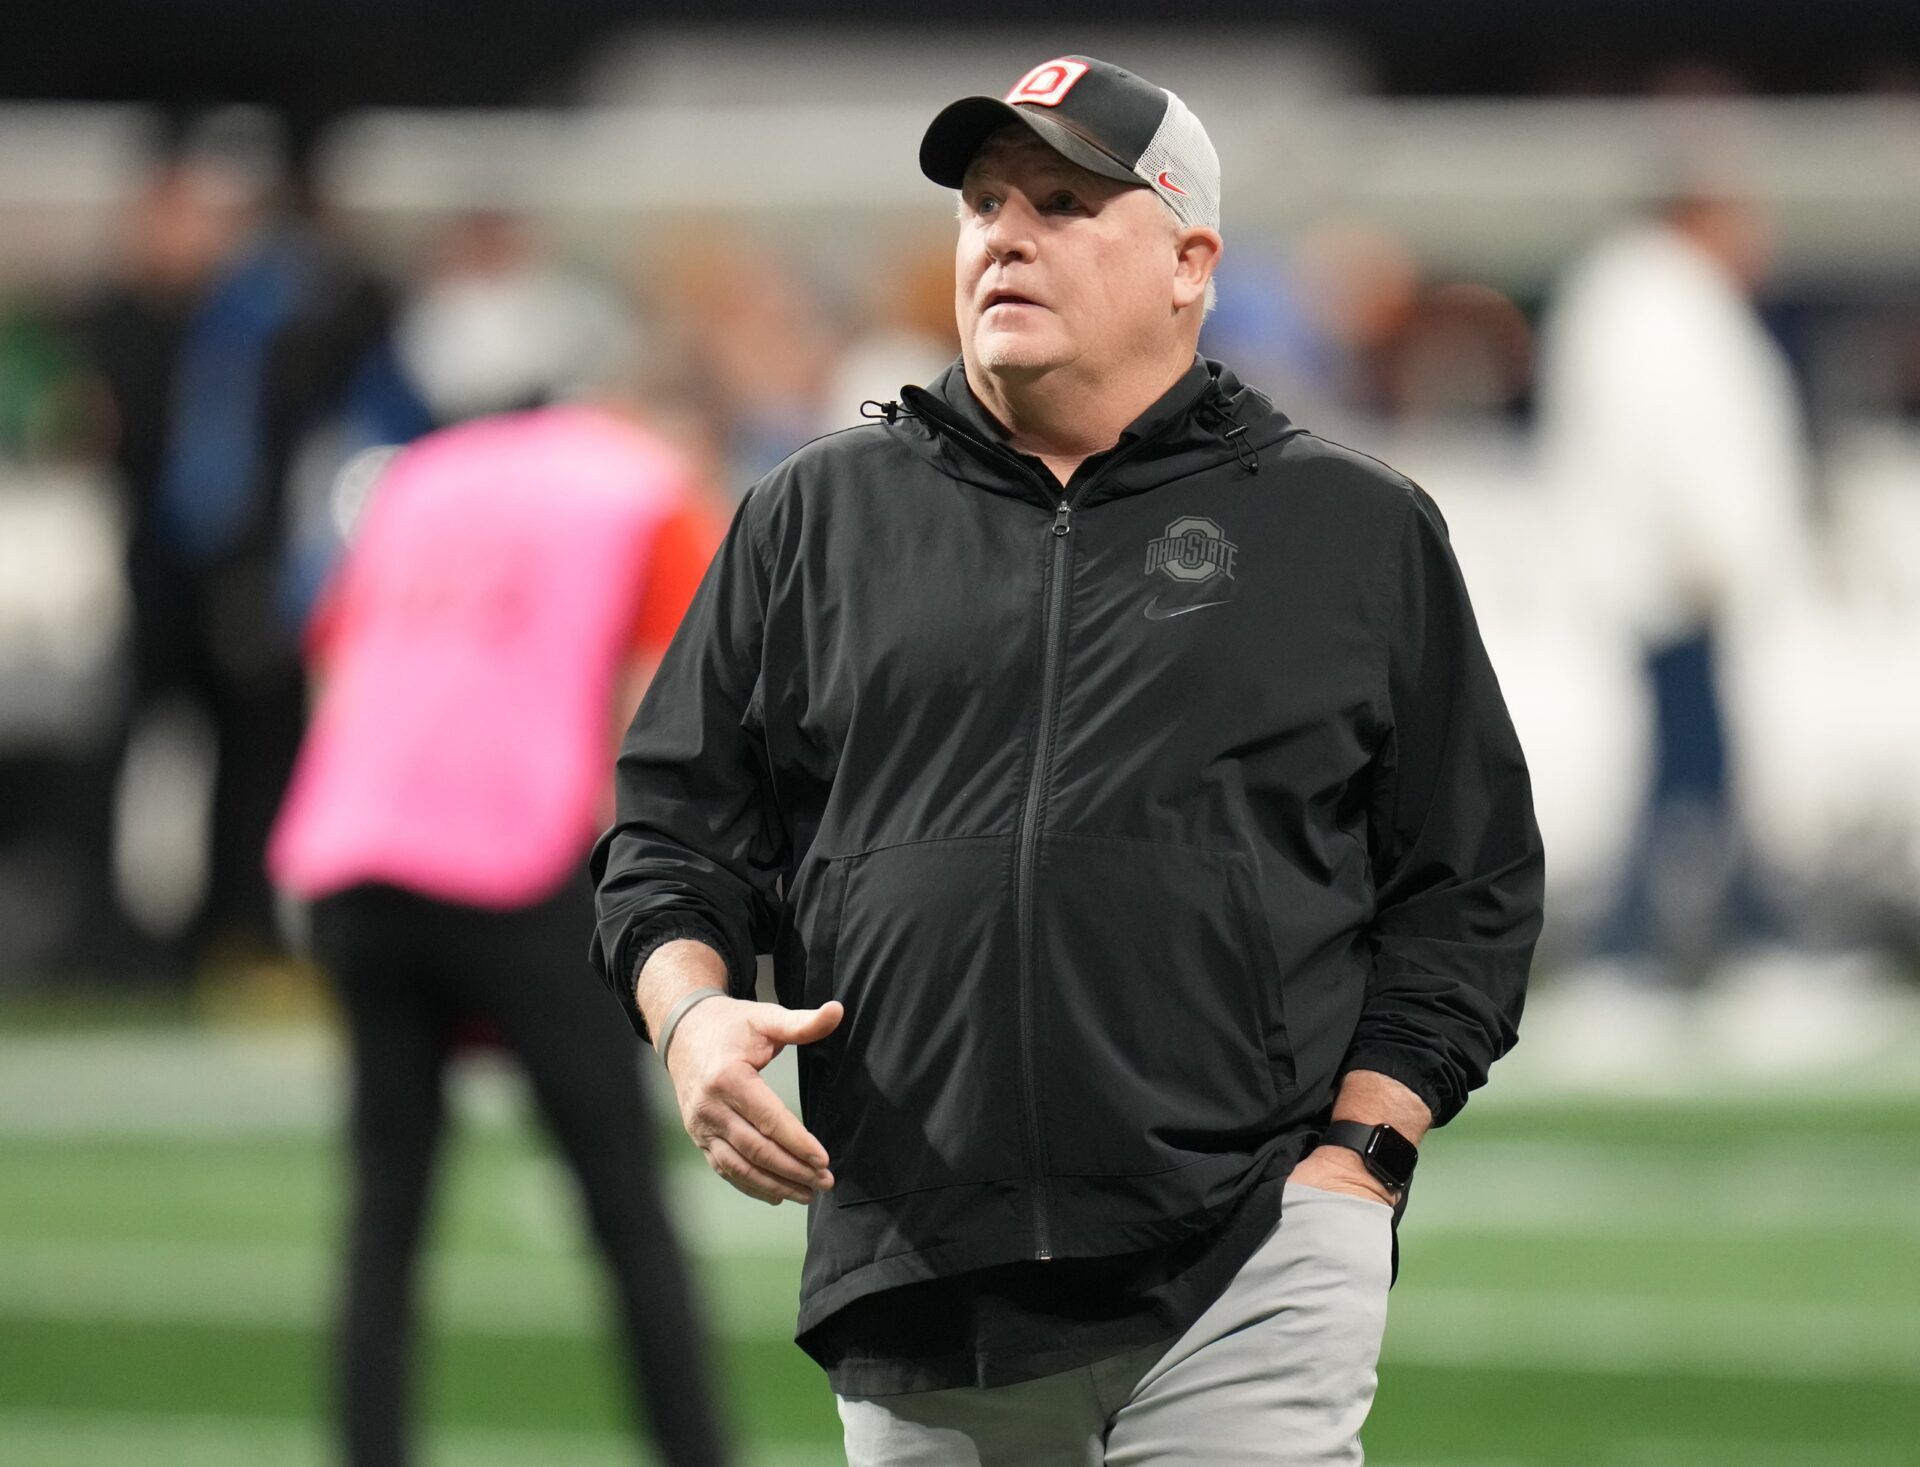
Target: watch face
1390,1156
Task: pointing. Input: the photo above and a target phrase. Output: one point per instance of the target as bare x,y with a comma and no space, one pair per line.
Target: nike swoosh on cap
1166,182
1152,610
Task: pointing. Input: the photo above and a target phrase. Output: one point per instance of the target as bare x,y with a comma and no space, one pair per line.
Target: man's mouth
1008,298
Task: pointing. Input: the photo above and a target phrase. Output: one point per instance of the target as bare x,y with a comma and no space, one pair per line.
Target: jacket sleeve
1458,869
697,842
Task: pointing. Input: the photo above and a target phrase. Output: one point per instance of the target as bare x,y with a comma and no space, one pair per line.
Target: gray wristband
679,1012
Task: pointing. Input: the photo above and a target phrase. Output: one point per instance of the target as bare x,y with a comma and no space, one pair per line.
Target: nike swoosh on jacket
1154,611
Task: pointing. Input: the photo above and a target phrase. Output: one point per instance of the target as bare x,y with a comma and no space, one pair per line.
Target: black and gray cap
1107,120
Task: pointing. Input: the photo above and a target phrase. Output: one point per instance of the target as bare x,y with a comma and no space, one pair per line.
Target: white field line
1809,1182
1687,1452
219,1082
231,1083
1808,1185
500,1295
1645,1334
163,1083
75,1439
1594,1329
53,1439
1480,1193
1487,1189
1502,1189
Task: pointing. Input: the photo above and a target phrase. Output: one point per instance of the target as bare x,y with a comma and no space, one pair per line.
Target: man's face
1058,266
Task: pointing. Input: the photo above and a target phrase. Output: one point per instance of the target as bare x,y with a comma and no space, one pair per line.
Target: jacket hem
995,1220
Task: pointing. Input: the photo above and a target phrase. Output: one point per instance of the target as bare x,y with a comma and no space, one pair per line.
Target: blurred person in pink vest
508,589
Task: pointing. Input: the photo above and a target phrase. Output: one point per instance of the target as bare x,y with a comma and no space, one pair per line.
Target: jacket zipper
1028,834
1051,660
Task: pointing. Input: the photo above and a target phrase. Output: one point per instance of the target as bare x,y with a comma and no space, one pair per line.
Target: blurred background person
509,586
493,322
63,620
230,324
1672,431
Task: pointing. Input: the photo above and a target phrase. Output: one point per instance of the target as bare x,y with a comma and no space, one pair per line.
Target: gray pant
1280,1370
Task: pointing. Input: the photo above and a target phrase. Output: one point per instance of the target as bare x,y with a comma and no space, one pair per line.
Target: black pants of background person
410,972
214,636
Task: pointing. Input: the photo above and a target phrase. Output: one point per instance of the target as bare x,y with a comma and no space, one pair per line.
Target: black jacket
1123,821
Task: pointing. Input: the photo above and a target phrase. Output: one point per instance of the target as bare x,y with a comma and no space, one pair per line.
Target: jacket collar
956,391
1207,418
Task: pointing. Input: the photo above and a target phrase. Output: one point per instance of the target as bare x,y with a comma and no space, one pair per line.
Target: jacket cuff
1425,1076
643,945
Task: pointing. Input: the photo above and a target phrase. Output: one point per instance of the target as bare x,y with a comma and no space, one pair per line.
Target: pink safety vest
470,643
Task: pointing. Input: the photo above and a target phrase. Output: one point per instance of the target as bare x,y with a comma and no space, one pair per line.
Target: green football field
1705,1278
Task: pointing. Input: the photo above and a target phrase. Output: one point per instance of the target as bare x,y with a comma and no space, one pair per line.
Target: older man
1115,773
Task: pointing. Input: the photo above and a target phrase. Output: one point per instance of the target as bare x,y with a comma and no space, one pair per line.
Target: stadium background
1709,1258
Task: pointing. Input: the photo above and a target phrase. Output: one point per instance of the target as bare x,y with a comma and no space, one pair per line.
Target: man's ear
1196,255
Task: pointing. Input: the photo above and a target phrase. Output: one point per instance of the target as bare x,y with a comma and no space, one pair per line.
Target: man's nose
1009,234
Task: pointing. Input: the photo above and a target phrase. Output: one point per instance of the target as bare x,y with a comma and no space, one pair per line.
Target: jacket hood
1207,419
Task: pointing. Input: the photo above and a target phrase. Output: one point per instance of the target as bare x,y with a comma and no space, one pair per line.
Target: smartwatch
1387,1154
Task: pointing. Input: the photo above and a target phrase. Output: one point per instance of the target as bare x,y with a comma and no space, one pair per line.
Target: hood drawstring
885,411
1215,404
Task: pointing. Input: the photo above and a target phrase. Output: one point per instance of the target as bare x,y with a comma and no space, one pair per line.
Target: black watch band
1387,1154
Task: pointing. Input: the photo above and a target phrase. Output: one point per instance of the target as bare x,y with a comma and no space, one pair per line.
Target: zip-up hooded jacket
1123,818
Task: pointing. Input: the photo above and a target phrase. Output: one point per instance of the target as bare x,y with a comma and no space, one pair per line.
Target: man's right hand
748,1134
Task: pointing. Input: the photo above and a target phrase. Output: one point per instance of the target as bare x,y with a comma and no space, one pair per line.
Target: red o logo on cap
1048,83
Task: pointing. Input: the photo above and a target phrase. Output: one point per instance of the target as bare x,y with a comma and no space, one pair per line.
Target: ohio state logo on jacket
1193,549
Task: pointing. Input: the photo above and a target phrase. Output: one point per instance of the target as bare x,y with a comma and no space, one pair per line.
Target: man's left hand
1340,1169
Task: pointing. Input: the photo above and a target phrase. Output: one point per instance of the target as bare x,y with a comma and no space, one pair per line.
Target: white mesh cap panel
1182,150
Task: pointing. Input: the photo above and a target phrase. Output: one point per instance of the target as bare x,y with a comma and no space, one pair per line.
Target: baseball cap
1107,120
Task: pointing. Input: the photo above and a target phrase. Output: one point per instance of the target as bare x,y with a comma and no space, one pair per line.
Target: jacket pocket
1159,1008
919,1086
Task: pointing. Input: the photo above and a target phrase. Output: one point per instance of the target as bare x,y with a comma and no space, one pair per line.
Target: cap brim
956,134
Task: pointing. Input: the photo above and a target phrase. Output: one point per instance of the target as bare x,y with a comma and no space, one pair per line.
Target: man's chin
1013,352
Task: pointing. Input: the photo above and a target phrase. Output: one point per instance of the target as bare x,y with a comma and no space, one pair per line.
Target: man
1114,771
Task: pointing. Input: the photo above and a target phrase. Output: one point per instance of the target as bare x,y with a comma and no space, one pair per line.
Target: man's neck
1063,418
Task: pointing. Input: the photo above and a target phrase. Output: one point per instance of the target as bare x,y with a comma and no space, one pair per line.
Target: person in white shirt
1671,429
